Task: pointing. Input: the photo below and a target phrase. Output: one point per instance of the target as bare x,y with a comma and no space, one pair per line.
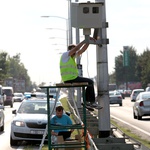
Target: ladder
46,129
50,127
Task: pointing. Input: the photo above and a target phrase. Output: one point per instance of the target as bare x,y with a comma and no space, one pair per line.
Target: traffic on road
123,114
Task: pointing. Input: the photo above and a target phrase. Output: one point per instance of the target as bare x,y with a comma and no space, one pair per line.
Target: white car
18,97
30,120
2,118
141,106
135,93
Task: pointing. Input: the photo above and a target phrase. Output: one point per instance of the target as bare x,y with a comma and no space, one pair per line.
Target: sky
24,31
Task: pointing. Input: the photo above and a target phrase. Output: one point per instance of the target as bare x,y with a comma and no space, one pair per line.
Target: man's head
71,46
59,111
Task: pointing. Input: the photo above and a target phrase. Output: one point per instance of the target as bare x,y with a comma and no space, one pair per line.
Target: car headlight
19,123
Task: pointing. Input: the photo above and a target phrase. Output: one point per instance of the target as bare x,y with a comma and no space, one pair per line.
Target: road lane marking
147,133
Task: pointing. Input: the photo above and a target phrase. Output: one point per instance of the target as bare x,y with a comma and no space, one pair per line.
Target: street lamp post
67,22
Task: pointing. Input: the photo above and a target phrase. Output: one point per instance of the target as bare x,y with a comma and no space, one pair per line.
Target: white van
9,92
2,96
135,93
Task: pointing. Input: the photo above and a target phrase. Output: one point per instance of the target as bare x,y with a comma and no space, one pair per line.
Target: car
8,91
2,118
30,120
27,94
18,97
40,94
134,94
2,96
147,89
127,93
141,105
115,97
121,92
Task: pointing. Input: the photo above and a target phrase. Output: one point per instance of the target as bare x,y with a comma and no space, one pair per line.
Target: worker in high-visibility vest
69,71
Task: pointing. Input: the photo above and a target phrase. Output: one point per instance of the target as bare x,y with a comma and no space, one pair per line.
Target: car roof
34,99
18,93
138,90
144,93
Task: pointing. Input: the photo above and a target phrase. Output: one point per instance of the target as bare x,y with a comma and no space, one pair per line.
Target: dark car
8,91
127,93
115,97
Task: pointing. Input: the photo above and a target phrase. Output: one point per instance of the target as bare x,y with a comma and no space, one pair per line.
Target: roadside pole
103,78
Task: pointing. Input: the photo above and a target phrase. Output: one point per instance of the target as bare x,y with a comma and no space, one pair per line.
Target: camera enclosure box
86,15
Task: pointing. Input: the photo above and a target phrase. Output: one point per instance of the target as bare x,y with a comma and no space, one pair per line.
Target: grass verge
129,133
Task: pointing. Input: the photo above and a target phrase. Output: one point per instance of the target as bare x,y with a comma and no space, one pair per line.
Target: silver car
115,97
2,118
141,106
30,120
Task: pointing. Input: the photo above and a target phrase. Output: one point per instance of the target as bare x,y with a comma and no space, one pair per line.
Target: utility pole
79,67
102,77
92,15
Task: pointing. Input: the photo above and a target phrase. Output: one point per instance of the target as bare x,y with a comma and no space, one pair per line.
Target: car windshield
137,92
111,93
18,95
35,107
8,92
146,96
0,91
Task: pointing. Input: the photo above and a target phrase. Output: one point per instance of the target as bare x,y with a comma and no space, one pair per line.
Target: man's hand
54,133
92,39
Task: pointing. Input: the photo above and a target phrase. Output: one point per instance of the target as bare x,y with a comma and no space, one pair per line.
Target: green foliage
4,66
13,67
143,67
137,71
129,73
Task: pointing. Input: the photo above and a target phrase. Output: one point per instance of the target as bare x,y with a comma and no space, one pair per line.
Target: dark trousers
89,92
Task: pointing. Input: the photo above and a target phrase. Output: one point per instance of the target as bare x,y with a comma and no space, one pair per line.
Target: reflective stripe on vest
68,70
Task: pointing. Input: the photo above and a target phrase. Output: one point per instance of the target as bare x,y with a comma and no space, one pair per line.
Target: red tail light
119,97
141,104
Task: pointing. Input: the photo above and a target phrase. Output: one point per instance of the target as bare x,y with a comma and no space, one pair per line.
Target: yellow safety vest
68,69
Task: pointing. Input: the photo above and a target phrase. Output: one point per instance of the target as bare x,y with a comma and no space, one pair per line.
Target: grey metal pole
103,81
71,91
69,22
79,68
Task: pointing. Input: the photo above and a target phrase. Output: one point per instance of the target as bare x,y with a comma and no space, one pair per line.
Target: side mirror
1,107
68,113
14,111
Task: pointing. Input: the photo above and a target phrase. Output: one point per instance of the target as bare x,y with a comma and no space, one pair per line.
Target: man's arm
76,48
83,49
54,133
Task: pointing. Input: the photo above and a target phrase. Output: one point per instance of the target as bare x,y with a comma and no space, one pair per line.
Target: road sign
126,56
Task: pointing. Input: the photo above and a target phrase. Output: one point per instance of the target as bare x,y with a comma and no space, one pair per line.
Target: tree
18,71
14,68
126,74
143,67
4,66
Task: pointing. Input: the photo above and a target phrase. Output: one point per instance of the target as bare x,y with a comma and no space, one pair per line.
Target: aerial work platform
82,126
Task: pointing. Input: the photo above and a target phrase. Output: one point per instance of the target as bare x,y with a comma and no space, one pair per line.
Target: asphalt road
5,136
124,115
